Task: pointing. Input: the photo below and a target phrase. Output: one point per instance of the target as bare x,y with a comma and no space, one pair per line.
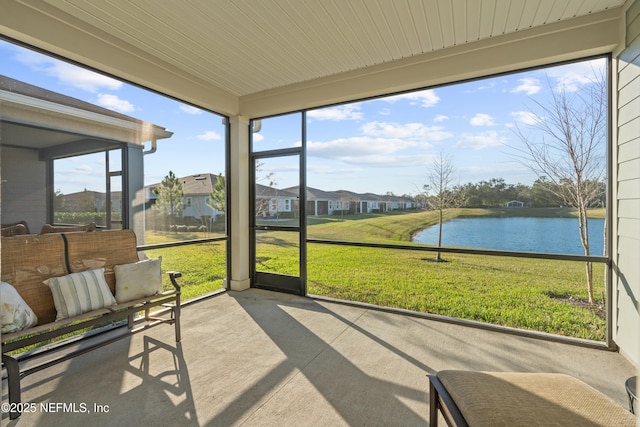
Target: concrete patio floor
259,358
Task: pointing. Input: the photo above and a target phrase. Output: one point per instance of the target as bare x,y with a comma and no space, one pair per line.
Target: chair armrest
173,275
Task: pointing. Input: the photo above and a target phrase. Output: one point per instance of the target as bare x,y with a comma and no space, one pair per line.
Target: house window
97,198
287,205
274,205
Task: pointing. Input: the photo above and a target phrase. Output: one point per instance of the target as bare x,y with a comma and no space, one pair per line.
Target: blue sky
382,145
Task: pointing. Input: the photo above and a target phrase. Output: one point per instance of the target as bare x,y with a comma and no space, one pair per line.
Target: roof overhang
58,130
262,59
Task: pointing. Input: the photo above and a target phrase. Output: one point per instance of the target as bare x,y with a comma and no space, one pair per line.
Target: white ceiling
245,47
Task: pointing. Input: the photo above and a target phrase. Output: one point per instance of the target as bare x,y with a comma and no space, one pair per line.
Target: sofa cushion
48,228
79,293
14,230
15,314
26,262
108,248
23,223
138,280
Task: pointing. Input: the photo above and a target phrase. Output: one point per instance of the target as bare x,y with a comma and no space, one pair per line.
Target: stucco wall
627,192
23,188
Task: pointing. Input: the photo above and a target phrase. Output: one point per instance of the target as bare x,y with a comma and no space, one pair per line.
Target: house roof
317,194
37,118
264,191
19,87
258,58
201,183
193,185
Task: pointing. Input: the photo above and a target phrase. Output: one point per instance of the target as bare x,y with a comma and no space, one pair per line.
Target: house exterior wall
626,227
24,188
196,206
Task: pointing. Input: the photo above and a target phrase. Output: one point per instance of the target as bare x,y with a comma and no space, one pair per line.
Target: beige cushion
526,399
15,314
79,293
138,280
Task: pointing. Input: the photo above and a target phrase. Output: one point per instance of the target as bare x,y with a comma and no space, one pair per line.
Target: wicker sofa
46,269
471,398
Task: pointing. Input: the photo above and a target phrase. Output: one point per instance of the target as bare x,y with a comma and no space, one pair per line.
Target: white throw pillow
15,314
138,280
79,293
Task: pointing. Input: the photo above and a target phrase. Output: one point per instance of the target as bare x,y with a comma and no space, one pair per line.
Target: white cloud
440,118
489,85
209,136
357,146
190,110
84,79
426,98
528,85
67,74
480,141
385,112
526,117
572,82
572,76
112,102
363,150
83,169
481,119
257,137
341,112
414,131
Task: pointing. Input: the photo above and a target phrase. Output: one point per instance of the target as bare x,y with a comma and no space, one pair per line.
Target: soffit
244,47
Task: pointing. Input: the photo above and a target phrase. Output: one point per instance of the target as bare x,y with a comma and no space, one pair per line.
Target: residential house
196,191
90,201
320,202
274,203
514,204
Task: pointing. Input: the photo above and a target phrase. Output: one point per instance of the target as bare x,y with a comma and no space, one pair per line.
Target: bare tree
264,192
439,192
568,149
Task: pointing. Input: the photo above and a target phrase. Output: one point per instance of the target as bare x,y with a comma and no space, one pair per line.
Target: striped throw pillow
79,293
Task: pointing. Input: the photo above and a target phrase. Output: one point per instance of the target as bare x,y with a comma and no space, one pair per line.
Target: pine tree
170,197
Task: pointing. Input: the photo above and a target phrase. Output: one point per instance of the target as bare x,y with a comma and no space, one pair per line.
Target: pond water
547,235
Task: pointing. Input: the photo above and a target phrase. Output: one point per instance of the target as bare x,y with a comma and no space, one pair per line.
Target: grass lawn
203,266
517,292
540,295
